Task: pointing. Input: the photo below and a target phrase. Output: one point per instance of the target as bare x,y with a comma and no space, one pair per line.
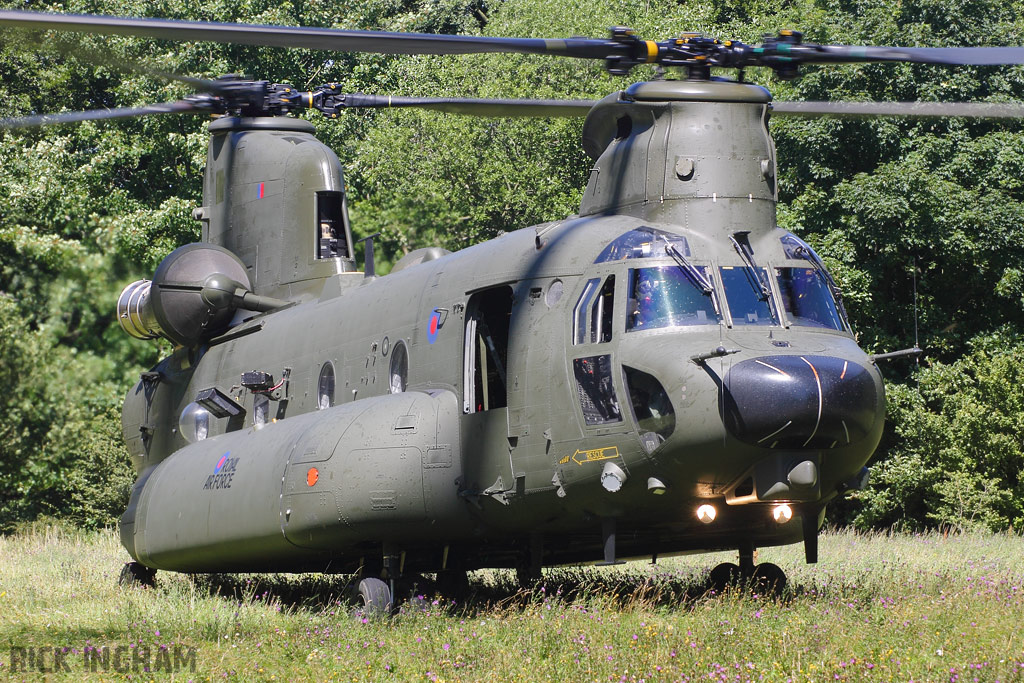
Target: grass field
877,607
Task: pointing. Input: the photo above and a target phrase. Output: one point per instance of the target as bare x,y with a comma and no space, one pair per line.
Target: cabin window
399,368
747,303
807,298
595,389
667,297
325,387
486,353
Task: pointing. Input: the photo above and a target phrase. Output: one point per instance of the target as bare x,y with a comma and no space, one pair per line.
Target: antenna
368,266
913,272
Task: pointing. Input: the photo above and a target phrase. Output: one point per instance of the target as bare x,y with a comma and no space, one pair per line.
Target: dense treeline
85,209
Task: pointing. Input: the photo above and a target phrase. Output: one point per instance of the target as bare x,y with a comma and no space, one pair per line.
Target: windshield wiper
691,271
761,290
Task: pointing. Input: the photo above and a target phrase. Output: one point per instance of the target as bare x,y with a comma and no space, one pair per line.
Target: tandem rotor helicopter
665,372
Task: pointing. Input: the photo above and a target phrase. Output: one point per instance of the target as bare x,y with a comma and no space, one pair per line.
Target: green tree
957,450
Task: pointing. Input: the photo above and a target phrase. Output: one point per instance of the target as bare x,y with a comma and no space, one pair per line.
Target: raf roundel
220,463
433,325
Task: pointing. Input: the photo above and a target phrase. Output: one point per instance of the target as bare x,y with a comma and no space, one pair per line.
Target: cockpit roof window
795,248
643,242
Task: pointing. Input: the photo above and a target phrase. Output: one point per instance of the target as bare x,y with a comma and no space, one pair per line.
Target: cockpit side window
579,312
595,389
601,313
796,249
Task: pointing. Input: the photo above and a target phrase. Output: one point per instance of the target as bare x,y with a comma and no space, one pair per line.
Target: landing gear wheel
135,574
723,576
375,597
769,578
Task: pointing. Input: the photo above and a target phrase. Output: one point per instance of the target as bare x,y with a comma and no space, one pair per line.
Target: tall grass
877,607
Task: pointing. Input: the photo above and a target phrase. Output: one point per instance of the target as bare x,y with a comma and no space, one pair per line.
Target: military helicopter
665,372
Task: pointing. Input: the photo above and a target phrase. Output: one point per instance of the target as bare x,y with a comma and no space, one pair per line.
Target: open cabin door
487,452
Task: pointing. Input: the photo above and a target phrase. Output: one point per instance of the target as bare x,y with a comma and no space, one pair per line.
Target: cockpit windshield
807,298
666,297
743,291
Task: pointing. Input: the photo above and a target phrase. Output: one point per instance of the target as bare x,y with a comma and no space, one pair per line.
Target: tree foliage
889,203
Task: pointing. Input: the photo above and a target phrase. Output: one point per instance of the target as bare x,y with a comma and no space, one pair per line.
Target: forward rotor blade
990,110
474,106
972,56
313,38
179,107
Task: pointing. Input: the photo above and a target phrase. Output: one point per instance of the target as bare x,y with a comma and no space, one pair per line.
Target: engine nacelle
190,298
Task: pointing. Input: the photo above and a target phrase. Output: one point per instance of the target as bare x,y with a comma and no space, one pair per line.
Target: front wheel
769,577
724,576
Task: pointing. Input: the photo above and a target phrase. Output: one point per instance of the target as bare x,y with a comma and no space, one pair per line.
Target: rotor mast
659,155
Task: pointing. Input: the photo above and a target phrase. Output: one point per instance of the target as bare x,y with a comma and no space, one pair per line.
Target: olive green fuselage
539,397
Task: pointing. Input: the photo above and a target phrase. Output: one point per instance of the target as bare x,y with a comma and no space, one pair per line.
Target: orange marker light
312,476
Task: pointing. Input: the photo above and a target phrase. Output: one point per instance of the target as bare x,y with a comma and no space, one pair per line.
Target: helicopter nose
794,402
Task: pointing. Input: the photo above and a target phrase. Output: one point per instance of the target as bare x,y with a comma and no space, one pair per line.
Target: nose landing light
707,513
782,513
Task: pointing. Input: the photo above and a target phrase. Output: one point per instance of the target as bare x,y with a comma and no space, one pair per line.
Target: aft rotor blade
474,106
313,38
179,107
992,110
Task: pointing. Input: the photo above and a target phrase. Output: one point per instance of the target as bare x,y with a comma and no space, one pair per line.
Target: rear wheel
375,596
135,574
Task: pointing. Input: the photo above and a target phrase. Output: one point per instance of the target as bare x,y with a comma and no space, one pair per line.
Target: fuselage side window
601,313
579,312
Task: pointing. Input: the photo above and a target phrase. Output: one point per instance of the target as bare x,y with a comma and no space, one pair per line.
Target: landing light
706,513
782,513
